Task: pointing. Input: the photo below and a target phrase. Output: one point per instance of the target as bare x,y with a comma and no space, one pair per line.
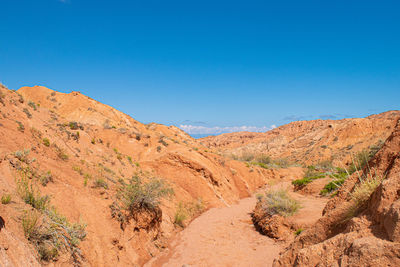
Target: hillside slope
361,225
310,142
79,152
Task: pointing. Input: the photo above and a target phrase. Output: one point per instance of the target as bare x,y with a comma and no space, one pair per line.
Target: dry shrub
279,202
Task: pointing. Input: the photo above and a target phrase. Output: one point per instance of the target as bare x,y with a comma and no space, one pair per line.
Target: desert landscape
199,133
83,184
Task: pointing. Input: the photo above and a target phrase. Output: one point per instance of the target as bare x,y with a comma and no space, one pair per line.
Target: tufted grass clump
279,202
50,232
100,183
6,199
32,105
31,195
27,113
365,188
46,141
143,195
188,210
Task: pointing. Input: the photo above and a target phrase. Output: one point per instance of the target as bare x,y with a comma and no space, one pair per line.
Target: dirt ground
226,236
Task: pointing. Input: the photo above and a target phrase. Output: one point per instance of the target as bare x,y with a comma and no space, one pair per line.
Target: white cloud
195,129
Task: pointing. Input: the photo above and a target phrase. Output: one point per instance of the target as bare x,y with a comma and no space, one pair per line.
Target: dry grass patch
279,202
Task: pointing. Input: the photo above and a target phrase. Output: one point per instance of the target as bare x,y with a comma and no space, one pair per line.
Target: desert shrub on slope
50,232
138,195
279,202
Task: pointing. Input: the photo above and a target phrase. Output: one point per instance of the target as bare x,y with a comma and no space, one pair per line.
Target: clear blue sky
209,63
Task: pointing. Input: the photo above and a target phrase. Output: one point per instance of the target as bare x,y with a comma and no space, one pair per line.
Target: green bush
302,182
333,186
310,175
298,231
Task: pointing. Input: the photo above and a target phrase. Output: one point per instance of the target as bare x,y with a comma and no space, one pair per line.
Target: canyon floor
227,237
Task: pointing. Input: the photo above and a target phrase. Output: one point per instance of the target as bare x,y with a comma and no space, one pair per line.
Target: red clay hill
83,184
310,142
72,154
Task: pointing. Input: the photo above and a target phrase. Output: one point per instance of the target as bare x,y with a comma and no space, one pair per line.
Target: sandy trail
226,237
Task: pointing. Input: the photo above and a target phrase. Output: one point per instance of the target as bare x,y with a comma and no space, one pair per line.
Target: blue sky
210,66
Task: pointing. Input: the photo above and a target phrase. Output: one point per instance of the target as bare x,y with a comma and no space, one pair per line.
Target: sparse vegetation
100,183
77,169
263,161
162,141
29,222
20,98
28,114
51,233
46,142
139,195
60,153
6,199
279,202
365,188
45,228
185,211
31,195
45,178
180,215
336,183
299,231
73,125
359,161
32,105
21,127
310,175
2,98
